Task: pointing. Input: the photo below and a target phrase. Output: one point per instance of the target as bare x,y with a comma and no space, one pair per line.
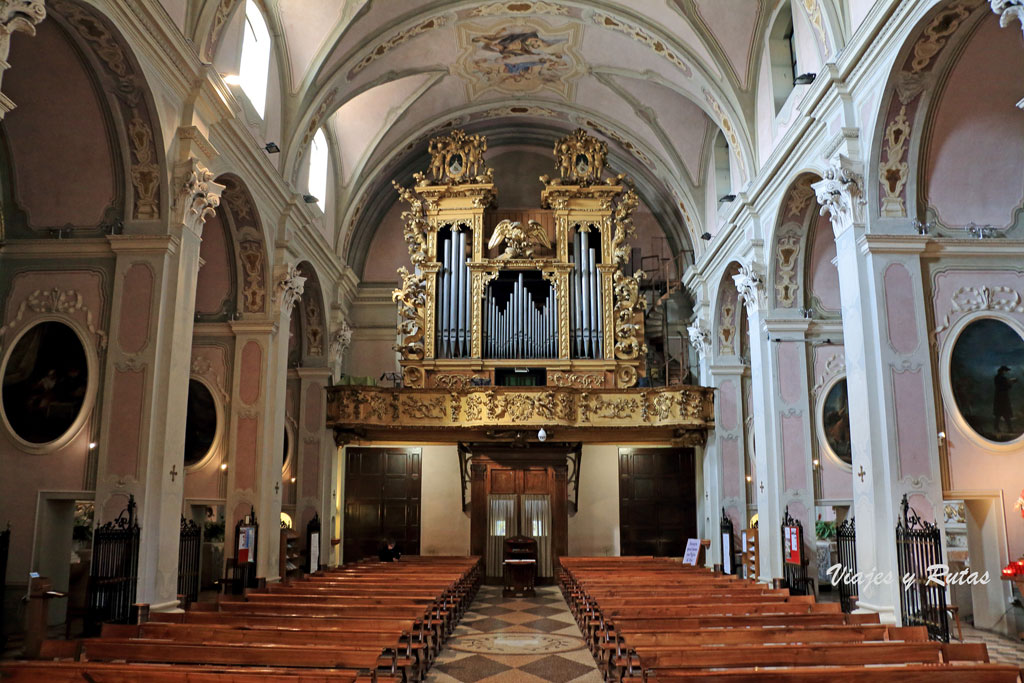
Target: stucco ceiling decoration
526,57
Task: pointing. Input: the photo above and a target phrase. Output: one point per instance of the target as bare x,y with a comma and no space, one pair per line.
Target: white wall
444,527
594,529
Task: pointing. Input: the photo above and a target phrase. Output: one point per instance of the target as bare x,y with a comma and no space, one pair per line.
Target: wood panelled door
382,500
657,500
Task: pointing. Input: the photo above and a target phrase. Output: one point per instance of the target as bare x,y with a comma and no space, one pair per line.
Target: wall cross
173,472
861,473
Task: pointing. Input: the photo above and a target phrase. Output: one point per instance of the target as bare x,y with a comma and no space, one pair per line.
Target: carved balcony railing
680,415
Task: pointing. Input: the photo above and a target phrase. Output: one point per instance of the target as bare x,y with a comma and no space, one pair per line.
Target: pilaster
889,385
142,438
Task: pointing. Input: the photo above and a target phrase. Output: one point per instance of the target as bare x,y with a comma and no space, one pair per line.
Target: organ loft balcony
513,321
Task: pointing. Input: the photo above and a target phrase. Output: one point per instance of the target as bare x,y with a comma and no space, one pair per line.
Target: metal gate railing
726,531
114,573
918,546
846,552
189,545
794,574
5,546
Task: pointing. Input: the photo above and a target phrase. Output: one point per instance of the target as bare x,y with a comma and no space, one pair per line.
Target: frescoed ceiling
657,79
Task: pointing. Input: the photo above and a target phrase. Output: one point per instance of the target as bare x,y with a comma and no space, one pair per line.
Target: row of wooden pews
654,619
358,623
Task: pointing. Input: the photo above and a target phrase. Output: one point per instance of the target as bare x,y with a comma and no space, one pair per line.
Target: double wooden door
382,500
657,500
519,472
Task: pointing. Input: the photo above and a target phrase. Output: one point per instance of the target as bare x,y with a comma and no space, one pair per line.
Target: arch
917,83
312,312
729,315
251,256
114,124
790,240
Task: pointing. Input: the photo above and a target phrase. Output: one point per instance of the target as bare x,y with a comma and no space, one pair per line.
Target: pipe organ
554,302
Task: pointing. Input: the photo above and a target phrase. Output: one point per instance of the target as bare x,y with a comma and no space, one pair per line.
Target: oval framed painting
48,385
983,382
202,424
834,422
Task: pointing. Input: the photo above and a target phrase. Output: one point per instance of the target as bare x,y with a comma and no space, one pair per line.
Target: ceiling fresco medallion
525,57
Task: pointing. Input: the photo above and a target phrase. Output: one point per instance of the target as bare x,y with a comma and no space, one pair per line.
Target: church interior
511,340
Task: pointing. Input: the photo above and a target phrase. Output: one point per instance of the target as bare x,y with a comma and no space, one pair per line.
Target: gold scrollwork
456,158
580,158
576,379
629,307
412,300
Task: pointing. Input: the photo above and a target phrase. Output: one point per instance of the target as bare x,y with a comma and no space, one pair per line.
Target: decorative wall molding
834,367
67,302
892,171
970,299
787,256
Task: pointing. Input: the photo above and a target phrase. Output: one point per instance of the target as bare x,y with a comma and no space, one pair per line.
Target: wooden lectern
520,566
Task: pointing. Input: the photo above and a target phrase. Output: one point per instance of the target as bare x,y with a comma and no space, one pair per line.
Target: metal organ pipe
446,273
595,297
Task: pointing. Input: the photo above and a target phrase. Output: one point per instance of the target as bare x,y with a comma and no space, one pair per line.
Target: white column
888,380
142,440
767,453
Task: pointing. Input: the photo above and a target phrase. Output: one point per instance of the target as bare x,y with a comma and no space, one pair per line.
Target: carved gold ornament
520,241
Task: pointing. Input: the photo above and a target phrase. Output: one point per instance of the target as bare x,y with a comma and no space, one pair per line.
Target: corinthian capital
700,338
841,195
340,343
16,15
289,288
1008,10
198,196
750,287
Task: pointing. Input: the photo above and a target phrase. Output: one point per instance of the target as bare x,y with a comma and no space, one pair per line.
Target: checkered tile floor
516,640
1000,648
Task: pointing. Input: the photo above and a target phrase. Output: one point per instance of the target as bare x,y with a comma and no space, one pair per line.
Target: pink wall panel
135,308
123,447
310,469
314,412
975,124
58,135
727,405
252,369
732,472
836,480
791,384
794,452
823,276
912,439
899,308
246,452
214,283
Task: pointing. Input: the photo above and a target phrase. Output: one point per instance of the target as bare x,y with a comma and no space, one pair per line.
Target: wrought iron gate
115,570
846,554
919,546
189,546
794,574
726,532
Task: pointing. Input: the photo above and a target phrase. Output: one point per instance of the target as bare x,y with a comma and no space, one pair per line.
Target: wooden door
657,500
516,471
382,500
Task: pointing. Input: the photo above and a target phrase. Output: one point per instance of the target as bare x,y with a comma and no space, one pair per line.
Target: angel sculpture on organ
519,241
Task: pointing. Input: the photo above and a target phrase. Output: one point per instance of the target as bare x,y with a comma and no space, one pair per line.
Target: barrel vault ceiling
655,79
